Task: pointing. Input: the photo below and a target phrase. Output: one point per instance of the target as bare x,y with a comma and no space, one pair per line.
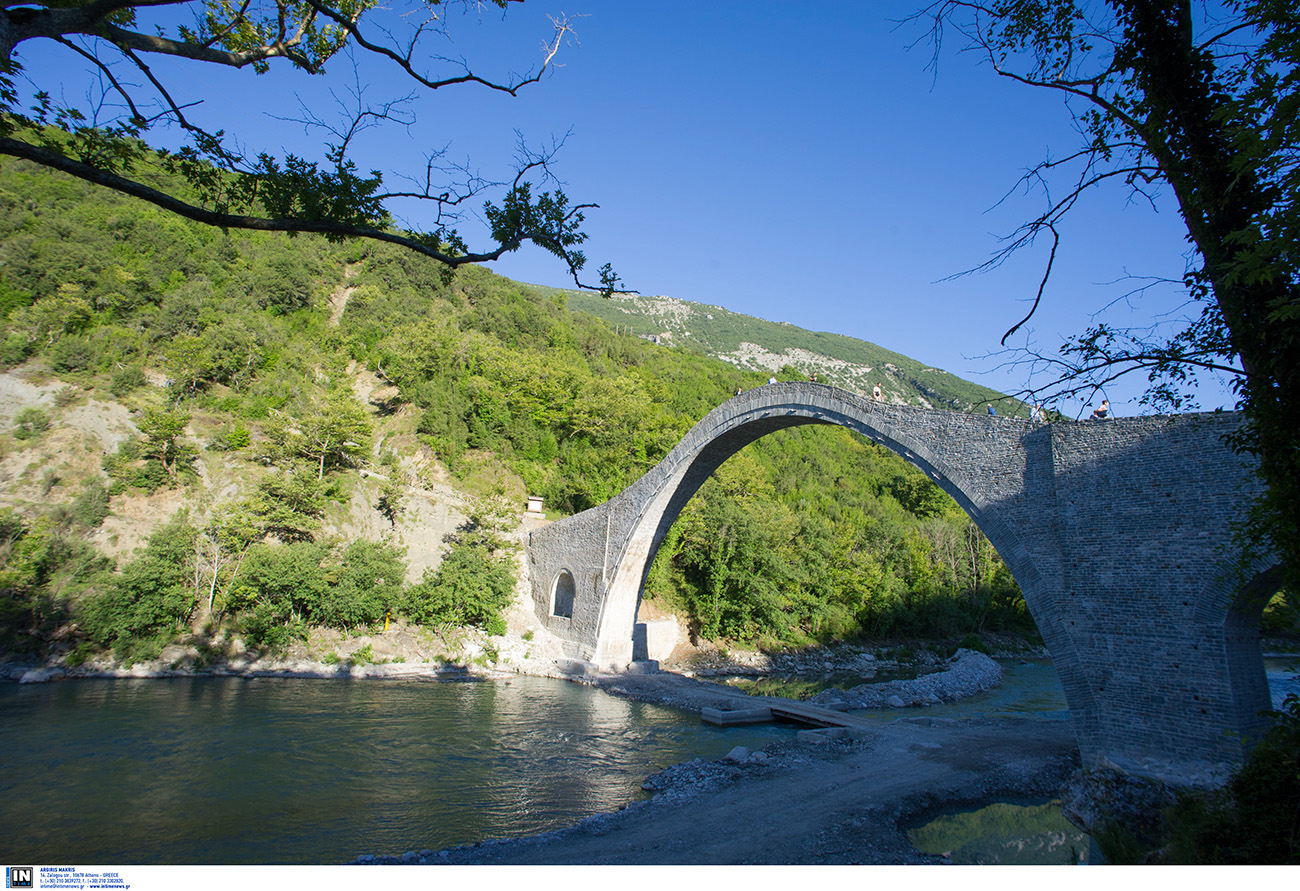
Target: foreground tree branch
223,187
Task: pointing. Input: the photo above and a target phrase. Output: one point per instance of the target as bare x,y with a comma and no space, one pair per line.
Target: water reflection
298,771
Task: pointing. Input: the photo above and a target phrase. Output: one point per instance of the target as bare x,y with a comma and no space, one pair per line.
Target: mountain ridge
765,347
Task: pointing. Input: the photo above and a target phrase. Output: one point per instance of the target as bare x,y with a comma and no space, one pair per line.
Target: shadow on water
800,687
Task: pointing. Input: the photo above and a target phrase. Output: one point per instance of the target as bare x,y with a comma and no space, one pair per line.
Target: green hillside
297,399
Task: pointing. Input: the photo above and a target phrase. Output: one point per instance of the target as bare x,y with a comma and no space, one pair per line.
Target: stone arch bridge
1118,532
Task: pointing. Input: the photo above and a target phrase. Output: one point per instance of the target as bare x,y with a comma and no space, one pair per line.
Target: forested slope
253,347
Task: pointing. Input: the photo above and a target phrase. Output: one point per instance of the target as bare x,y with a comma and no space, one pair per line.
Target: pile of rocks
967,673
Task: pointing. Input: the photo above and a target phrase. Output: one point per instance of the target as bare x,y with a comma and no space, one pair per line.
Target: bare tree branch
1047,274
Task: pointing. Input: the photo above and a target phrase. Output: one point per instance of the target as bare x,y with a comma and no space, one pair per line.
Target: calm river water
223,770
272,770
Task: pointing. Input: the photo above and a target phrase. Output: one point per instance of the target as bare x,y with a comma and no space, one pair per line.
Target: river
272,770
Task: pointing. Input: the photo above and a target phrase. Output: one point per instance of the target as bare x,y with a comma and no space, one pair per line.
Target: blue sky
792,161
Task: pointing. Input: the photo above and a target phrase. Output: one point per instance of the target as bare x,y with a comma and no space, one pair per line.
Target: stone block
732,717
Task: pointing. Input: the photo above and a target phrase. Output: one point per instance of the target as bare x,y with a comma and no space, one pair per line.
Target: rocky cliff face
51,467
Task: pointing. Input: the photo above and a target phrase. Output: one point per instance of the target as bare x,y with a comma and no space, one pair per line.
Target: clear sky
794,161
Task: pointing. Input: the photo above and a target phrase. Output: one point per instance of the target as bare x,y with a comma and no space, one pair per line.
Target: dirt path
338,301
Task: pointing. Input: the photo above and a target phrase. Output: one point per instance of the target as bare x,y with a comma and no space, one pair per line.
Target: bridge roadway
1119,533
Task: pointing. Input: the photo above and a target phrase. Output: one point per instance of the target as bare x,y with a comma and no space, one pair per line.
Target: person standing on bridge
1036,413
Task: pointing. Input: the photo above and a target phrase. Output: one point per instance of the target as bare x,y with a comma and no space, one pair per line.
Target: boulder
40,675
738,754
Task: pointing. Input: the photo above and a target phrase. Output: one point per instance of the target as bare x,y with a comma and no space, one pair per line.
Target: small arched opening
562,592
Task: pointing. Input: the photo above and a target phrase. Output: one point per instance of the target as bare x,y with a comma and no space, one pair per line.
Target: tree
150,598
129,94
475,580
162,428
288,506
1202,99
220,547
335,433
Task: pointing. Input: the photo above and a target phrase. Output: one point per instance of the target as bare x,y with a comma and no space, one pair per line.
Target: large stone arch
1113,531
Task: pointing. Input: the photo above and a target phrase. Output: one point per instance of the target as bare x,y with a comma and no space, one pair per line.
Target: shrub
30,423
126,380
973,641
368,580
1281,615
271,625
471,587
91,506
143,605
128,469
281,584
71,354
1267,792
13,350
283,588
1256,817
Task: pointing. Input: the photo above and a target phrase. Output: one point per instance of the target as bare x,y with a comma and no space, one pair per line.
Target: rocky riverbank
401,653
854,795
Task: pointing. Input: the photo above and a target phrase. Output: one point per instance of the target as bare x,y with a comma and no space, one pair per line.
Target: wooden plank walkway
761,709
